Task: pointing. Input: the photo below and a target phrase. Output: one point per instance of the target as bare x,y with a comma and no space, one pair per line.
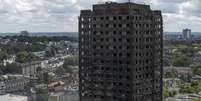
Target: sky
62,15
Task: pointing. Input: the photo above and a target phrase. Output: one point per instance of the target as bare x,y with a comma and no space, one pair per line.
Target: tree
165,93
42,94
70,62
197,70
196,100
172,93
73,61
23,57
11,68
186,88
194,83
3,55
60,70
68,68
194,87
182,60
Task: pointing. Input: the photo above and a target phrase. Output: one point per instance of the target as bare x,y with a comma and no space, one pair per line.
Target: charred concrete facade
120,53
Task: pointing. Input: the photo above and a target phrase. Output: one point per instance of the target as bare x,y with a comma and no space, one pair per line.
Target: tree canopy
23,57
197,70
11,68
182,61
193,87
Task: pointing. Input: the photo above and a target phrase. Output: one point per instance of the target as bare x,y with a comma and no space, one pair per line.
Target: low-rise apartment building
13,83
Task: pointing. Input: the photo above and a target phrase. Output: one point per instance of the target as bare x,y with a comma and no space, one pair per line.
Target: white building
53,63
9,97
9,60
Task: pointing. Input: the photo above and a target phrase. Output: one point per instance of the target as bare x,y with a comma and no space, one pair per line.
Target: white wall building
9,97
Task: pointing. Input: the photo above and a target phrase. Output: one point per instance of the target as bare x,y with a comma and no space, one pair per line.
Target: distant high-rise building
24,33
187,34
120,48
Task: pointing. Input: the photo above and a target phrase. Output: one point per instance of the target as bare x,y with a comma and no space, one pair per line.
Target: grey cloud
175,22
191,8
172,1
46,15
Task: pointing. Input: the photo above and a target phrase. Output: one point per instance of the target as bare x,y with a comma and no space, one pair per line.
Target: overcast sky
62,15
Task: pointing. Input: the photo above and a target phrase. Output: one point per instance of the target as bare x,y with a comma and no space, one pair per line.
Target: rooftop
10,97
112,8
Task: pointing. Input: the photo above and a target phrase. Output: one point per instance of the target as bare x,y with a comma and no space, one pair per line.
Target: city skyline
62,15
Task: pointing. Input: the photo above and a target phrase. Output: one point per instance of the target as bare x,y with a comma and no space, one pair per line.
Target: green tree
68,68
42,94
197,70
73,61
11,68
60,70
165,93
194,83
194,87
23,57
3,55
182,60
196,100
172,93
69,63
186,88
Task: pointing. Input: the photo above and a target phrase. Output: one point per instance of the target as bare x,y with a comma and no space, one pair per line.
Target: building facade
2,88
187,34
120,48
13,83
30,69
